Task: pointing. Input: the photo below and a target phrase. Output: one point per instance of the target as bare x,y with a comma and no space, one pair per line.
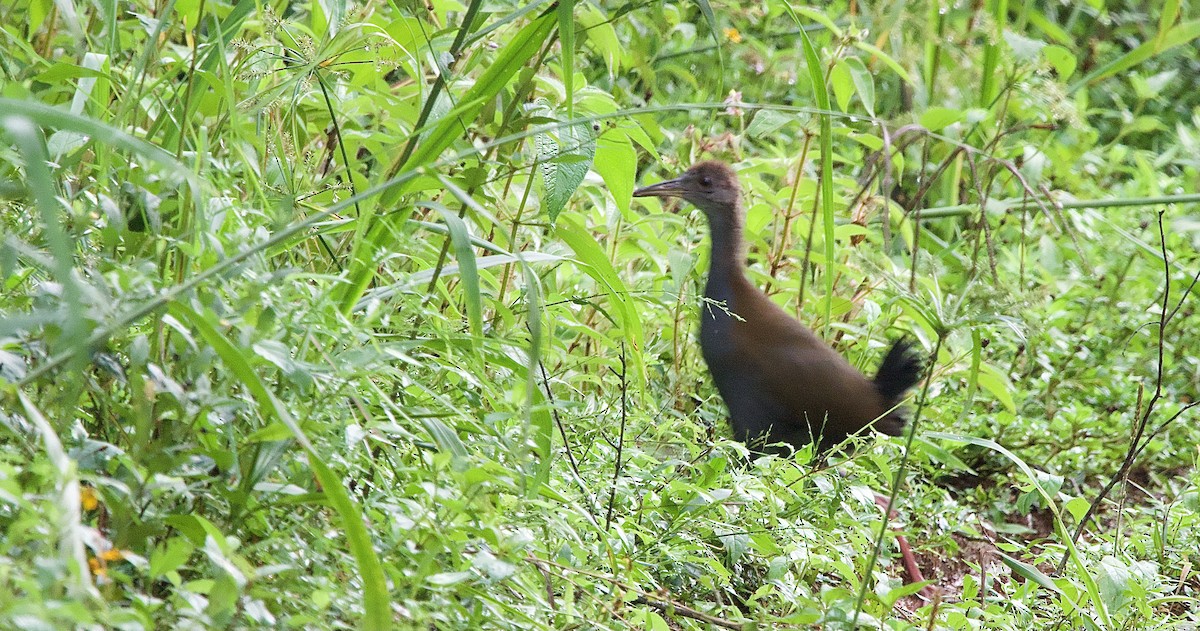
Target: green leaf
1078,507
566,37
908,589
1050,29
864,83
565,162
843,85
938,118
887,60
601,35
826,146
994,382
1030,572
616,162
269,434
460,238
816,16
767,122
1114,579
170,556
1061,59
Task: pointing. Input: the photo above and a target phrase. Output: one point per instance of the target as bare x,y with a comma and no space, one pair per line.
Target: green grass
342,315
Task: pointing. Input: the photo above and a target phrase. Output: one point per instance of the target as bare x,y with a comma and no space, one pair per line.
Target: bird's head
711,186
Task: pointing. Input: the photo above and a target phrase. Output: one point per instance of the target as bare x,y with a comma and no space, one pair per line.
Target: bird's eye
706,181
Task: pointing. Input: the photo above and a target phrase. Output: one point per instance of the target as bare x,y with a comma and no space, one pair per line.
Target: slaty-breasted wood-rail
782,383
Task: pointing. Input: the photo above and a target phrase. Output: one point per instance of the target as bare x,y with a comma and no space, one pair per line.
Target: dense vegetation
328,315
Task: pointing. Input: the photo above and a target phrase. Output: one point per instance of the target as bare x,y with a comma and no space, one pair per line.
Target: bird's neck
727,259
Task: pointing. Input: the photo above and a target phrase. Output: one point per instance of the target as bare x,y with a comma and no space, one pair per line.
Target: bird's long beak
666,188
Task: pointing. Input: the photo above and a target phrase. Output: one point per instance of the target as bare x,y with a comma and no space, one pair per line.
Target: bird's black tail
900,370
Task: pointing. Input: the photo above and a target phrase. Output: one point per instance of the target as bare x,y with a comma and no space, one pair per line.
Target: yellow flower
733,35
87,498
99,564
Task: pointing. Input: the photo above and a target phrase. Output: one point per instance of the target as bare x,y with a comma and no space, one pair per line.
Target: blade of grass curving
525,9
376,604
886,59
711,18
1088,580
595,263
30,143
512,58
540,422
566,37
467,270
59,118
991,53
826,123
1179,35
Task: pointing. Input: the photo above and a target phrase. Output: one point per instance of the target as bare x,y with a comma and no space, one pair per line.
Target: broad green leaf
616,162
601,35
864,83
767,122
938,118
842,84
1078,507
994,382
1030,572
170,556
564,161
1061,59
1118,581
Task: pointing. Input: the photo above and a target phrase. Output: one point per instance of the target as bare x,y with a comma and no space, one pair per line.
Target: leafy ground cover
329,315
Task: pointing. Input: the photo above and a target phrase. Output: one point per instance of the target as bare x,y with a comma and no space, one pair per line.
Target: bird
785,388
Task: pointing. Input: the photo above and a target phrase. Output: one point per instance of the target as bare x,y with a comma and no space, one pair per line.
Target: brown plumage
781,382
